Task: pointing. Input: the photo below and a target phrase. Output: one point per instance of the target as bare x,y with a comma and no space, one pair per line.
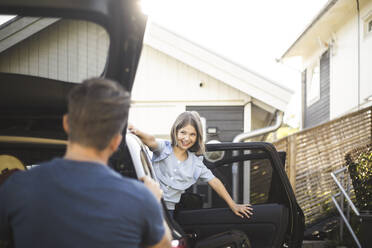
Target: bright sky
250,33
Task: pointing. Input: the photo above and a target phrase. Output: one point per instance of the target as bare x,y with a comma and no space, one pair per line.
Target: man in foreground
77,200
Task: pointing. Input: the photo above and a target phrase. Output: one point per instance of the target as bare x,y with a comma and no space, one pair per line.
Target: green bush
359,164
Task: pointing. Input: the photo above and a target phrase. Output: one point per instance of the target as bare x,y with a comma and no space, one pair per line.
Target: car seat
8,165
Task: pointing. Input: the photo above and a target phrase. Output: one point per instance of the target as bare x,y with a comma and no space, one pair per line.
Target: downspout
243,136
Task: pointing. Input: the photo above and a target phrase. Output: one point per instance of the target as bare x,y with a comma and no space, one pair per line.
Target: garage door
223,122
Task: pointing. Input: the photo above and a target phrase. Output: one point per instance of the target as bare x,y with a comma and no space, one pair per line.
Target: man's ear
115,142
65,123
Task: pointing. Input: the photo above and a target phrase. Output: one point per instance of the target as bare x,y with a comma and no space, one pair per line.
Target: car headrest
9,162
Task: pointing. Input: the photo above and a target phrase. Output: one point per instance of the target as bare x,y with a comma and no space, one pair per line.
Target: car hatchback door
48,47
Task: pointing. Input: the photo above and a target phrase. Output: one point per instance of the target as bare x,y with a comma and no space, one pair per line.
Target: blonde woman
178,163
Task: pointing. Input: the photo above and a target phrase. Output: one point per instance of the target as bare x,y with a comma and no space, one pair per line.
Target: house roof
321,31
218,67
20,28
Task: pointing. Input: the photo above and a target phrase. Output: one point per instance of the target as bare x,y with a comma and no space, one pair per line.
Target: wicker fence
313,154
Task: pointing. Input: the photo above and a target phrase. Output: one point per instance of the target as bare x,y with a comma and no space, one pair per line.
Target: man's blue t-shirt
65,203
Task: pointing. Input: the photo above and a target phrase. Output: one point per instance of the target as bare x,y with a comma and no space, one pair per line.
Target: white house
173,75
336,52
180,75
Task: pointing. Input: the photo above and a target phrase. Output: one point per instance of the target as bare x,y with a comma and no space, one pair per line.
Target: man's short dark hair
97,111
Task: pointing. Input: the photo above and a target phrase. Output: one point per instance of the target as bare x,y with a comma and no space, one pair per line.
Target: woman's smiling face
186,137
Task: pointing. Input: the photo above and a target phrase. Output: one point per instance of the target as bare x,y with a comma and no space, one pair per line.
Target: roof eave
324,10
220,68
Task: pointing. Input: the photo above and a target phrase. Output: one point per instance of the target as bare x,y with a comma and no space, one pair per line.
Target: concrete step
313,244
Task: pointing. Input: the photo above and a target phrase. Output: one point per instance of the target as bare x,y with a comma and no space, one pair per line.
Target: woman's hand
132,129
242,210
147,139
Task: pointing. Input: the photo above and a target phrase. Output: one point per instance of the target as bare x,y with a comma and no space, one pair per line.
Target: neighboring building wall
344,88
68,50
366,53
344,65
164,87
344,69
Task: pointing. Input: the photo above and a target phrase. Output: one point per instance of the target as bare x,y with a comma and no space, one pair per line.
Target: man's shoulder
15,186
40,167
130,197
28,177
130,185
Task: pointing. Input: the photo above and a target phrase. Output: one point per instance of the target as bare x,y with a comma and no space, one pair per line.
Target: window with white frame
313,84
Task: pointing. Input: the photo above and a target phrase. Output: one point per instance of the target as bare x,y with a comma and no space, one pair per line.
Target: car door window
253,183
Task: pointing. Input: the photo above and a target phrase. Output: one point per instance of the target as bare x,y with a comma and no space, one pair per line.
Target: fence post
292,160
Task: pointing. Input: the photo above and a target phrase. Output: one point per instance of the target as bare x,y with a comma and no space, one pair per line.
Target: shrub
359,164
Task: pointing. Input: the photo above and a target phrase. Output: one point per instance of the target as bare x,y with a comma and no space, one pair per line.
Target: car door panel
265,228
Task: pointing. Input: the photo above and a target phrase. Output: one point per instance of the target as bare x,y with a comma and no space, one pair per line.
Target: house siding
319,112
158,71
68,50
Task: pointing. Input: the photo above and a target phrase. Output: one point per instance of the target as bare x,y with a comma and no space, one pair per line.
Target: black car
32,105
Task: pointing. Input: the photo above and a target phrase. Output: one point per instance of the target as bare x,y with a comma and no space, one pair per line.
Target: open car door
277,219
